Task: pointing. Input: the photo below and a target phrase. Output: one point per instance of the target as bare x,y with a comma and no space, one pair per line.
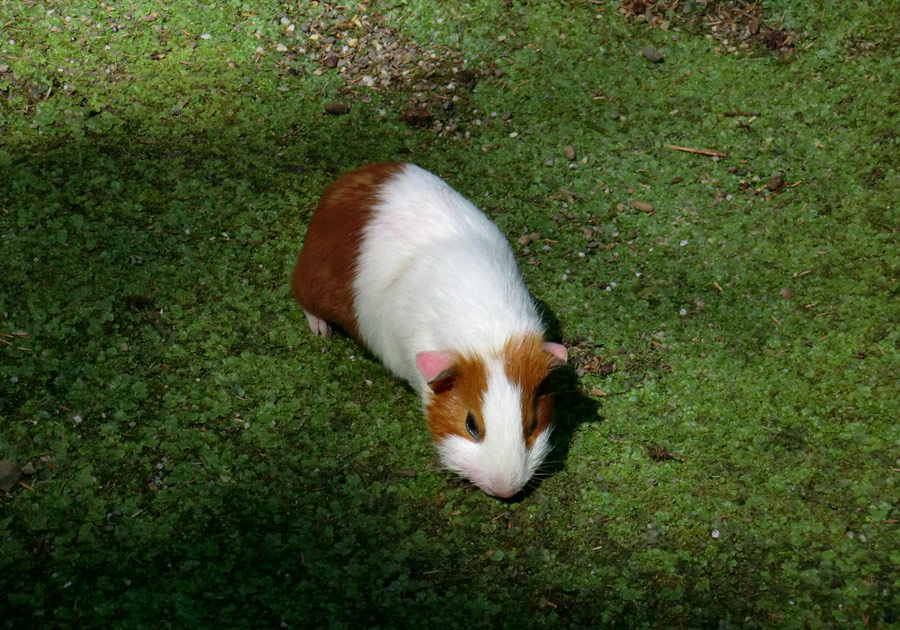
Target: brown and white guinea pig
422,278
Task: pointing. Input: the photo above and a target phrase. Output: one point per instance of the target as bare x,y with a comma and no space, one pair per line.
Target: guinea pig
422,278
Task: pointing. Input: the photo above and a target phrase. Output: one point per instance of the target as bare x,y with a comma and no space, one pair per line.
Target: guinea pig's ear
558,352
436,366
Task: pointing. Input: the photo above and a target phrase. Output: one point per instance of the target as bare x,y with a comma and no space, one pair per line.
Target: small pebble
651,54
281,48
336,109
569,152
549,162
529,238
10,472
642,206
715,533
776,183
206,36
466,77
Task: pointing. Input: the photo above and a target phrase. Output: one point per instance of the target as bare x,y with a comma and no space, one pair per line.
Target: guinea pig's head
489,417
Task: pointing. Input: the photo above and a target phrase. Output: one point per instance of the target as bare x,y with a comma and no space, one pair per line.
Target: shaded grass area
193,457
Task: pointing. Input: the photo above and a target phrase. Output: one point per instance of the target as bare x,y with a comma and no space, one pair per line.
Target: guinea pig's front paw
317,325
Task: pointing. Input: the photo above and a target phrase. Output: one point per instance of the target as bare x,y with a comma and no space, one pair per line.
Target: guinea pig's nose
502,489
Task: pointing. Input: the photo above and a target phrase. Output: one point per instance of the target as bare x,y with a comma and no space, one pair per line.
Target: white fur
434,273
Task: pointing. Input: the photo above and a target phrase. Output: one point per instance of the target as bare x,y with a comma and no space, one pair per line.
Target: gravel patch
371,55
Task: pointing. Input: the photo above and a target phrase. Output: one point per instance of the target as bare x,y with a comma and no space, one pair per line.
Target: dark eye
472,427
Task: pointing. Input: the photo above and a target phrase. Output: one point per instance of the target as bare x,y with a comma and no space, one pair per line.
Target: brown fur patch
322,280
528,365
462,393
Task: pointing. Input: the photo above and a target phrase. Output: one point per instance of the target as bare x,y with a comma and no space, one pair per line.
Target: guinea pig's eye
472,427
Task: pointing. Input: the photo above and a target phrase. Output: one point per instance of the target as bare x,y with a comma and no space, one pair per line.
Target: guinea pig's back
435,273
322,280
417,209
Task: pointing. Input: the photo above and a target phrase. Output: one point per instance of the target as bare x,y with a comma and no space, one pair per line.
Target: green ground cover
727,448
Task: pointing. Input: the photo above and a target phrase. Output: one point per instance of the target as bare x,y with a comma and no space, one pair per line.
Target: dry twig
708,152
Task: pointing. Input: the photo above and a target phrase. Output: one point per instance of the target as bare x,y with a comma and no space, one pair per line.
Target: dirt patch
737,25
584,357
371,54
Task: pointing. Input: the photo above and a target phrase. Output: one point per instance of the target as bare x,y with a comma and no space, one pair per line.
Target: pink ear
558,351
432,363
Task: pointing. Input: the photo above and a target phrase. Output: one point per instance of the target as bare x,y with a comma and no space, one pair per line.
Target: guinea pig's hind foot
317,325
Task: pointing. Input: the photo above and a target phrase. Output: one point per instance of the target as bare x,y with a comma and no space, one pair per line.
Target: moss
194,457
